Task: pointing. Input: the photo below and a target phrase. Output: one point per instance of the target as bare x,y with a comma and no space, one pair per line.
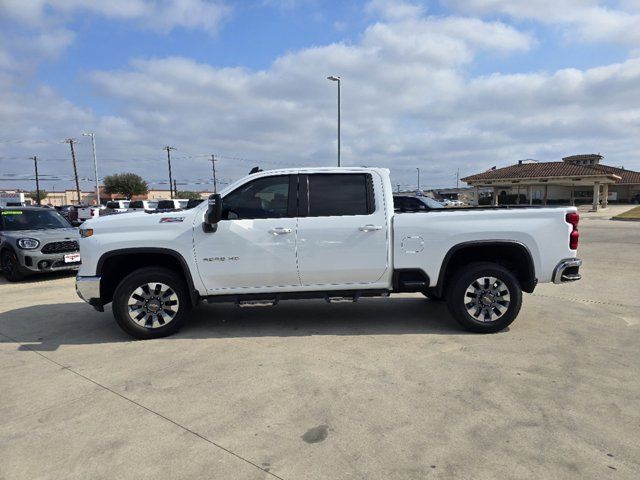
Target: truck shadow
47,327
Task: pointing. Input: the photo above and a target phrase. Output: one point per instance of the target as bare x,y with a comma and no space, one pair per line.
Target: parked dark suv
407,203
34,240
70,212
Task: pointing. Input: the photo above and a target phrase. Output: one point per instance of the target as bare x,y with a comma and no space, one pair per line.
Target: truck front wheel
150,303
484,297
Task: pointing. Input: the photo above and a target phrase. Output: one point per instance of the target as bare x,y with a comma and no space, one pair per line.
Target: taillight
573,218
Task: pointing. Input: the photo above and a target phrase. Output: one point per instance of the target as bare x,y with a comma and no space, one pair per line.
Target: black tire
504,306
433,296
158,327
11,266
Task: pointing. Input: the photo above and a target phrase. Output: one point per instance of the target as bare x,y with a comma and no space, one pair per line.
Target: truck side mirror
214,213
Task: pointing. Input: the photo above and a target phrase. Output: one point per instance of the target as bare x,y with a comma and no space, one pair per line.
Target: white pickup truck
327,233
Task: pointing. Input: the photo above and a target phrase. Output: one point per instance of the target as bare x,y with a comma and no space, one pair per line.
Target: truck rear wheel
150,303
484,297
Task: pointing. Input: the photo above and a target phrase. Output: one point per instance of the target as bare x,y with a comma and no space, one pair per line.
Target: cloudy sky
441,85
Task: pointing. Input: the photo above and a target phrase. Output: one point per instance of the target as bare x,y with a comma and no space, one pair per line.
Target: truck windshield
16,219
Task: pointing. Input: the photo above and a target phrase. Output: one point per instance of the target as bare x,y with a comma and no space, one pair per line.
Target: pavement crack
150,410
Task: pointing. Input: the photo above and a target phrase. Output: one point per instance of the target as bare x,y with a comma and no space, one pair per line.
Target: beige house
577,179
69,197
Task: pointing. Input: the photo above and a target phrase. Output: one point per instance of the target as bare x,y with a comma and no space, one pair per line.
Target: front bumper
568,270
34,261
88,289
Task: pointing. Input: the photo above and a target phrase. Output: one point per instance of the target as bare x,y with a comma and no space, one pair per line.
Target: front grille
61,247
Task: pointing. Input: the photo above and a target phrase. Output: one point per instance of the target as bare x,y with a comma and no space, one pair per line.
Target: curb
626,219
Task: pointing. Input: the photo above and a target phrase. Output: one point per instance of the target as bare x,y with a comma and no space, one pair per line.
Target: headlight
28,243
86,232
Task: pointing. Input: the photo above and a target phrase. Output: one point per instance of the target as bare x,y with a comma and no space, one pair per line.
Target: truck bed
425,240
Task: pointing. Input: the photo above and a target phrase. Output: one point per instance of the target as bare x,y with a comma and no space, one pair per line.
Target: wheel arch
113,266
511,254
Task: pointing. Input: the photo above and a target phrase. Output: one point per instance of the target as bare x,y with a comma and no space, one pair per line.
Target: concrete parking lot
383,389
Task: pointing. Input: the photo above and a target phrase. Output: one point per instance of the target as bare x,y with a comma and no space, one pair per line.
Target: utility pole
398,188
168,149
35,162
213,166
71,141
457,178
418,169
175,188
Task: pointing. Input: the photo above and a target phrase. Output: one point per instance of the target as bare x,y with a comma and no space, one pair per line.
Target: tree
34,195
127,184
188,195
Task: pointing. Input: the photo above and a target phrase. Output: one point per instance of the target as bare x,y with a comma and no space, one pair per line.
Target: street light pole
168,149
334,78
418,169
95,164
35,162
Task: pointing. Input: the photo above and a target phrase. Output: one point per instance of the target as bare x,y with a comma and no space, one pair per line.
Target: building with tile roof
576,179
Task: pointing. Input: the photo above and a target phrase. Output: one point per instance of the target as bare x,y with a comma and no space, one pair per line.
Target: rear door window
339,194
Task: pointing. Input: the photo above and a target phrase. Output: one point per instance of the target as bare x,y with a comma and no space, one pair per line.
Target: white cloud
394,10
163,15
584,20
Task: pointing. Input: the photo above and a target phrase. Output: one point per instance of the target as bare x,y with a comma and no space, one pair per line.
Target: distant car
118,206
143,206
35,240
452,203
174,204
86,213
193,202
407,203
70,212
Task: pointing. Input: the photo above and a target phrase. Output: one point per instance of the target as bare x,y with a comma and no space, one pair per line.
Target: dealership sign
11,199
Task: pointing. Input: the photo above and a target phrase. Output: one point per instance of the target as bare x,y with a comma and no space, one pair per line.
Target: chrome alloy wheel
487,299
153,305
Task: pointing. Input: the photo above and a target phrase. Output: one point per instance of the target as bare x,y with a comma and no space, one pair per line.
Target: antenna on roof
255,170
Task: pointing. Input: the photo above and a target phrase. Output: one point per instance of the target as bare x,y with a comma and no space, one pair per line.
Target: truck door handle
280,231
370,228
